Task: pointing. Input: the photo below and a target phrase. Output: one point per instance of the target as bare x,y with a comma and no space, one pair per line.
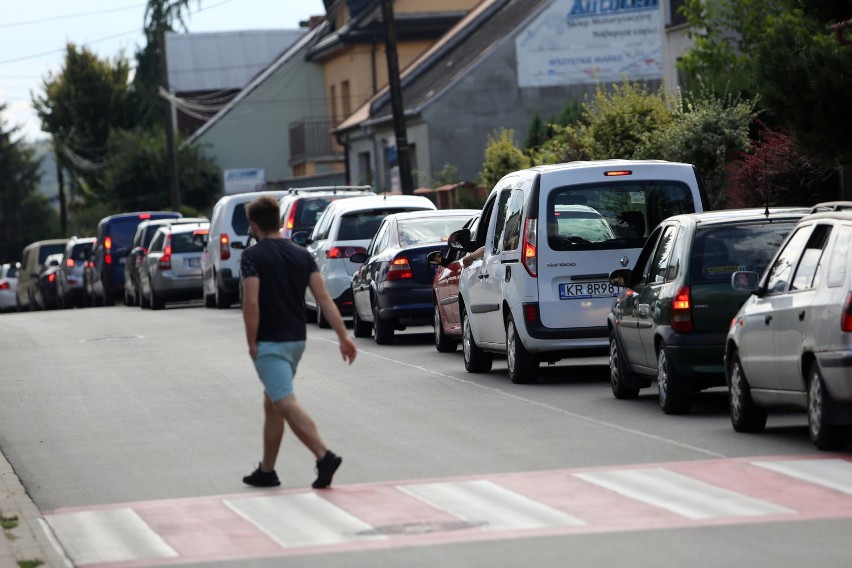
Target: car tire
222,299
360,328
209,300
675,391
108,298
746,416
156,301
382,329
476,360
619,371
129,299
523,365
443,342
824,434
322,323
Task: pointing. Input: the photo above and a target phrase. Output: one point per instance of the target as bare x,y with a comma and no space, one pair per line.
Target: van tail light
108,249
343,252
682,310
290,223
69,262
224,246
531,312
165,262
530,247
846,317
4,285
51,277
399,269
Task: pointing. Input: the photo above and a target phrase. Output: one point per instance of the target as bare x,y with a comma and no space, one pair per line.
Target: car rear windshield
362,225
45,251
428,230
12,272
188,242
121,231
612,215
719,251
81,251
308,210
239,221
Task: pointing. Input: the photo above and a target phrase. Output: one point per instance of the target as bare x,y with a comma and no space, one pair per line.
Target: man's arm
332,314
251,311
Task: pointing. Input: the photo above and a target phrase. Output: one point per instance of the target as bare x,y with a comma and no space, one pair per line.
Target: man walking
275,273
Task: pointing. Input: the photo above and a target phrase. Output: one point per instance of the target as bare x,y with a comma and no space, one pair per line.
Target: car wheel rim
662,376
815,405
613,364
466,340
736,391
437,325
510,347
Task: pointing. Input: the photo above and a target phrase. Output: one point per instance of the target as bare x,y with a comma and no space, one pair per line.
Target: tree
137,177
25,216
502,157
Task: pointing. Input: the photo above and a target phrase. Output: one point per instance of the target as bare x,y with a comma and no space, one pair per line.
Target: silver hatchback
790,344
171,271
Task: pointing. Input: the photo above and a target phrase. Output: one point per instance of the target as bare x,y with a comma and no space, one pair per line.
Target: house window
344,98
675,17
332,102
365,170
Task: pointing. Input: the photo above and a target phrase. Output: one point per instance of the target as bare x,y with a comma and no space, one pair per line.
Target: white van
220,261
550,237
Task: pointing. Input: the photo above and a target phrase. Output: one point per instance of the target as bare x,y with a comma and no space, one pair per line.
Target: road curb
30,539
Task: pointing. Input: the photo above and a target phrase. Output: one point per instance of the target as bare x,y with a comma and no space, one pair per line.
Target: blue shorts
276,364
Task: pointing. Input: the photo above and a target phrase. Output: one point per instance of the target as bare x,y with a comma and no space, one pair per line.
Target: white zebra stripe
681,495
489,506
832,473
304,519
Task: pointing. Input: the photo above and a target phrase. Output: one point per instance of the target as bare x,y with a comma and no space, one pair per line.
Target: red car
447,322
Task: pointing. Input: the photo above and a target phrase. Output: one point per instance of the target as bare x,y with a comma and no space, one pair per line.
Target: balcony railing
312,140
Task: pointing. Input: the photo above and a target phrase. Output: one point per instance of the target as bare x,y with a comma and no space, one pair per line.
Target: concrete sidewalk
29,540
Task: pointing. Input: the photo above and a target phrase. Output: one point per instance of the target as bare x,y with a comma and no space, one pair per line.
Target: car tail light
530,251
224,246
531,312
144,215
165,262
291,221
616,173
51,277
682,310
846,317
343,252
69,262
4,285
399,269
108,248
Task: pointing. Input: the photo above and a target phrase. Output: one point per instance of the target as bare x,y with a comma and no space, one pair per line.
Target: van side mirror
300,238
359,257
620,277
745,280
460,240
435,258
238,245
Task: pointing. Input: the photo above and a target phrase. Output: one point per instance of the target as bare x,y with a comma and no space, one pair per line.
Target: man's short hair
264,212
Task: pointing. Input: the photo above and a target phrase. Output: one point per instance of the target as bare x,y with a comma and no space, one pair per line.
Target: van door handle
481,276
767,319
802,315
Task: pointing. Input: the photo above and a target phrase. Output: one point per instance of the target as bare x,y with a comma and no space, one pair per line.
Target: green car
672,316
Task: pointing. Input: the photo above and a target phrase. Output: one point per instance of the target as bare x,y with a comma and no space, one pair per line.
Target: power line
69,16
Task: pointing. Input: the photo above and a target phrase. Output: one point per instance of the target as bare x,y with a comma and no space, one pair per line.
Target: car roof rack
831,206
331,188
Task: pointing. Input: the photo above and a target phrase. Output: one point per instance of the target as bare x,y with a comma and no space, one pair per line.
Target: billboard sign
243,180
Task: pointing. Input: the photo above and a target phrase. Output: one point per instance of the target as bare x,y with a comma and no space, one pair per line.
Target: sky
34,33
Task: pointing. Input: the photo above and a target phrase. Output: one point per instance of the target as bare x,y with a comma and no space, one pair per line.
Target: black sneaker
326,468
260,478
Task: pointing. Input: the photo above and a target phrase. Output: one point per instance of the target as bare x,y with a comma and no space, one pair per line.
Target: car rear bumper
414,305
344,302
225,280
836,368
167,284
699,355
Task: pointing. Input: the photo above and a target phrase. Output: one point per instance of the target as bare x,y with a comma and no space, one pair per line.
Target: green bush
502,157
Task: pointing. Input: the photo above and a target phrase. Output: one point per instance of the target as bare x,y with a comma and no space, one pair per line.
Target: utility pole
403,160
171,158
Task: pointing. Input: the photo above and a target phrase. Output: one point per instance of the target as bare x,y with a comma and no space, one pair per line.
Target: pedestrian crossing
278,523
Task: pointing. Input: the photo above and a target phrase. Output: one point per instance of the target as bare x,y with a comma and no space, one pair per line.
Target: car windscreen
188,242
46,250
239,221
720,251
428,230
362,225
618,214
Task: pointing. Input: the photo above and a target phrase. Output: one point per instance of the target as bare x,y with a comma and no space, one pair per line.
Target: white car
550,236
8,285
345,227
220,261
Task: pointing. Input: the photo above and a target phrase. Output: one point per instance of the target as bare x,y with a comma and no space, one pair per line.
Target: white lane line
489,506
304,519
831,473
681,495
92,537
501,392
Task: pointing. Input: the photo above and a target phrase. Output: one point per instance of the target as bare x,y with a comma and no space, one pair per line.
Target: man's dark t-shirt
284,269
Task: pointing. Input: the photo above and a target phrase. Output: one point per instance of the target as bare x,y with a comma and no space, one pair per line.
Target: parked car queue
706,303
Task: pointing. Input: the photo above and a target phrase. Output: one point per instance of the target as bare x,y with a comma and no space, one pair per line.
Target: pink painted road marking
471,508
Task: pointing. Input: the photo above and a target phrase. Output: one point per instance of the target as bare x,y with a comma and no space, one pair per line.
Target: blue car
392,288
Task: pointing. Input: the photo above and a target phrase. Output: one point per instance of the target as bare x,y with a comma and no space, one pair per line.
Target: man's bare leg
302,425
273,433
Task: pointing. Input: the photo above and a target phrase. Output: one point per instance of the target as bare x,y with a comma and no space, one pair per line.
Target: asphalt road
105,407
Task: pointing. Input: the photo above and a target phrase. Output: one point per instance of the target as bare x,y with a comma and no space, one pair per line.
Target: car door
486,295
648,308
470,281
448,283
315,247
628,309
757,341
364,277
791,320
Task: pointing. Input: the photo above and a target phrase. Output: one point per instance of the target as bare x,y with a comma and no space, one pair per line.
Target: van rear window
46,250
612,215
239,221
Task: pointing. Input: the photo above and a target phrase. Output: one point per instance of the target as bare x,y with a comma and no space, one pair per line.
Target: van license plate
193,262
588,290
